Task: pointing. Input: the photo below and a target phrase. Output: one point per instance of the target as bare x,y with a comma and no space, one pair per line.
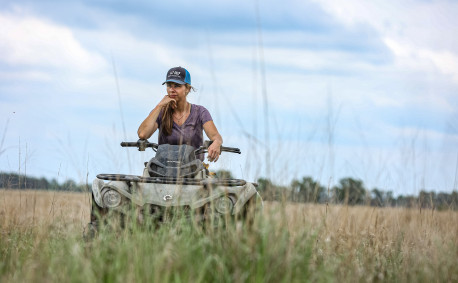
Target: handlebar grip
140,144
126,144
231,149
204,148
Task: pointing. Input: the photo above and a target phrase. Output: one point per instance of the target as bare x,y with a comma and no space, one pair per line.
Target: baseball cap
178,75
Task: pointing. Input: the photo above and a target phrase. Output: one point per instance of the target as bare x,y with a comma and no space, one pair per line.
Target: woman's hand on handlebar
214,150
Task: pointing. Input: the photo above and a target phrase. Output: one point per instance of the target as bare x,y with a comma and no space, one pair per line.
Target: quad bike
174,182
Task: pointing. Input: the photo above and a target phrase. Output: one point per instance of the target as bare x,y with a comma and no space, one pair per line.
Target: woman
178,121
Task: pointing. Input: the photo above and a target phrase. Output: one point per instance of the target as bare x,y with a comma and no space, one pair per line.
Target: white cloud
445,61
32,42
414,57
419,33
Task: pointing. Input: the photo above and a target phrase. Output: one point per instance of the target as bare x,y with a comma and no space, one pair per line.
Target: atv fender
248,191
97,185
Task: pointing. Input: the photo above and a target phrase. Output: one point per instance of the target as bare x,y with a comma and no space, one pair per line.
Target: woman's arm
149,125
214,150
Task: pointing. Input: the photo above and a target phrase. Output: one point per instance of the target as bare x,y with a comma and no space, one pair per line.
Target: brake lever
201,150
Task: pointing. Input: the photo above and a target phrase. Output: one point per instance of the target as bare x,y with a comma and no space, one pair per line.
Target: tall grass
290,243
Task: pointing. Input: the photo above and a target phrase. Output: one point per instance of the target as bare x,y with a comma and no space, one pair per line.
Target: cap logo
174,74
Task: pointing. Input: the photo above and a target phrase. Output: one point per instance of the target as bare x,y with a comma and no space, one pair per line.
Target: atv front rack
172,180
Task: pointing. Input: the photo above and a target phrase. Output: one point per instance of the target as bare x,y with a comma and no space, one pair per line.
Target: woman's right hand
166,101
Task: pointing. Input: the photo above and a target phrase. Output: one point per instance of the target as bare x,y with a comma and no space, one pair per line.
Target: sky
321,88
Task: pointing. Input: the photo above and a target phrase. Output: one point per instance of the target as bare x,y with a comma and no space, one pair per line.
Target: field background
41,241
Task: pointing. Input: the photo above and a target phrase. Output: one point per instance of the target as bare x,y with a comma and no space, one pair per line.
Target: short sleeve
159,119
205,115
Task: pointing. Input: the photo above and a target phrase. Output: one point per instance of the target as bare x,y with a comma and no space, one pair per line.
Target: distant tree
381,198
69,185
406,201
266,189
350,191
272,192
54,185
306,190
426,199
43,183
454,200
444,201
389,199
377,197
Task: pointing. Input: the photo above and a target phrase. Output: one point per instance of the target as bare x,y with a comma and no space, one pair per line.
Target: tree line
353,192
22,182
306,190
348,191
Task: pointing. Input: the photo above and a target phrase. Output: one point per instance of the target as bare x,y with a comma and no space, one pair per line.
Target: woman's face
177,91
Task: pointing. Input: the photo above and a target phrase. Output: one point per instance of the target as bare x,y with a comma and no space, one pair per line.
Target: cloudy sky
319,88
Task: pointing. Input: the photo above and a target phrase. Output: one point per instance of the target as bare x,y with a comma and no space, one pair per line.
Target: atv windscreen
174,161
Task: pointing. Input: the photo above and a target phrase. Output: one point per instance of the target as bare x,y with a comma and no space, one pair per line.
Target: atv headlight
224,205
111,198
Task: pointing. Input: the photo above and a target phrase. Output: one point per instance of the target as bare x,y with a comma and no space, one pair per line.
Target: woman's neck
182,107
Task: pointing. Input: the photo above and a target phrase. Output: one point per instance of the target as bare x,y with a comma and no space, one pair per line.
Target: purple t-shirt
191,132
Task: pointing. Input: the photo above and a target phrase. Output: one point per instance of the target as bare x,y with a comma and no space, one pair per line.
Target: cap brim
174,81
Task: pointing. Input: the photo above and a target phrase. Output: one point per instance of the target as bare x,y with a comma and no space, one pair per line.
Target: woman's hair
167,115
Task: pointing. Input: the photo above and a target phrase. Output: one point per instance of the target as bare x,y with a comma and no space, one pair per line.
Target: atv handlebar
204,148
143,144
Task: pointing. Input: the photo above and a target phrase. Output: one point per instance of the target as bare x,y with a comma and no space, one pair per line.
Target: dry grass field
43,208
41,241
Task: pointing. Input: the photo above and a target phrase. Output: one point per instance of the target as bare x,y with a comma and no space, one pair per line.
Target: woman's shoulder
202,112
199,108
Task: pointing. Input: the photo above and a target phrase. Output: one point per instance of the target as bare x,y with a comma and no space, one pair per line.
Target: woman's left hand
214,150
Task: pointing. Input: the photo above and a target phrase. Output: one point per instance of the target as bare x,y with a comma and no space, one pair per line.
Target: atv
174,183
